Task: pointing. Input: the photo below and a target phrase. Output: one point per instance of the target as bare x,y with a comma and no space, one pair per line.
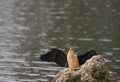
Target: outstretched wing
83,58
55,55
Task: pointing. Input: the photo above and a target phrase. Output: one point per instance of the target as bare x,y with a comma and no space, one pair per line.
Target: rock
94,70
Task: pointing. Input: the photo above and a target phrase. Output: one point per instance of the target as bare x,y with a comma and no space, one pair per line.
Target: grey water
29,28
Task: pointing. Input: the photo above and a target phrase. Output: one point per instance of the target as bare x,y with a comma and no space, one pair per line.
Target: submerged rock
94,70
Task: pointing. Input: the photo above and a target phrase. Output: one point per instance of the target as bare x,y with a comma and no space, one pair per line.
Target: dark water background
29,28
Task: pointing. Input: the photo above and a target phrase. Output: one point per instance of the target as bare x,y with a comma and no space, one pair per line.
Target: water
29,28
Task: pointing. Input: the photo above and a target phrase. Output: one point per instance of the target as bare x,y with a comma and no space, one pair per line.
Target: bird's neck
72,59
71,52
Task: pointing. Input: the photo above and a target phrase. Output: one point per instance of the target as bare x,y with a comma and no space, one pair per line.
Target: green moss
100,74
102,81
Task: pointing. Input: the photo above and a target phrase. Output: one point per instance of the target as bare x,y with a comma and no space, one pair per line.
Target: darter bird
60,58
72,58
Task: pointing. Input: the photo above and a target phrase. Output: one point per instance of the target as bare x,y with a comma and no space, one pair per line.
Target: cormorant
59,57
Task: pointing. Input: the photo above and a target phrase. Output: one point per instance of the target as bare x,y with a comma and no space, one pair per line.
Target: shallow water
29,28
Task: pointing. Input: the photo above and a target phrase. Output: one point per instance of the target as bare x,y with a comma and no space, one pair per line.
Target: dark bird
60,58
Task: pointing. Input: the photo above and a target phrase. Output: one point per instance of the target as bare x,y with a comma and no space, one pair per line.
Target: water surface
29,28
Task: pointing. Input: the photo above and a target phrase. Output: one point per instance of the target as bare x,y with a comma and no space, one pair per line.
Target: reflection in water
30,27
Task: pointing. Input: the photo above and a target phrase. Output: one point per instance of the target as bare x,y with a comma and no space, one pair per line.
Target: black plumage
60,58
55,55
84,57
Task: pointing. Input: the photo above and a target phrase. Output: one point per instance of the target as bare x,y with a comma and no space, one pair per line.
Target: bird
72,58
61,59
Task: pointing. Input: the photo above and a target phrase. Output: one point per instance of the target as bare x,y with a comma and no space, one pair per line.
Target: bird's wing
55,55
83,58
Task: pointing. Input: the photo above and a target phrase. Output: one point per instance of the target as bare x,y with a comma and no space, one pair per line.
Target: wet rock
94,70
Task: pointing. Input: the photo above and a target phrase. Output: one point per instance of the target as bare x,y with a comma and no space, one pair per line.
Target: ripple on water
85,39
117,60
117,49
105,40
108,53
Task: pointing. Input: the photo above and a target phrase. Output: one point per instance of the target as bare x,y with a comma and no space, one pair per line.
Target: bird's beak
68,46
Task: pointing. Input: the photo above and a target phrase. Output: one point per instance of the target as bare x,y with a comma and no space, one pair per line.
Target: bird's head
68,46
71,49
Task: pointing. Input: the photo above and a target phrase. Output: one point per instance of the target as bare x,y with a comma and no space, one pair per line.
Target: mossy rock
94,70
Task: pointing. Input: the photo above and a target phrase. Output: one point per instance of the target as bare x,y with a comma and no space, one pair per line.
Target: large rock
94,70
